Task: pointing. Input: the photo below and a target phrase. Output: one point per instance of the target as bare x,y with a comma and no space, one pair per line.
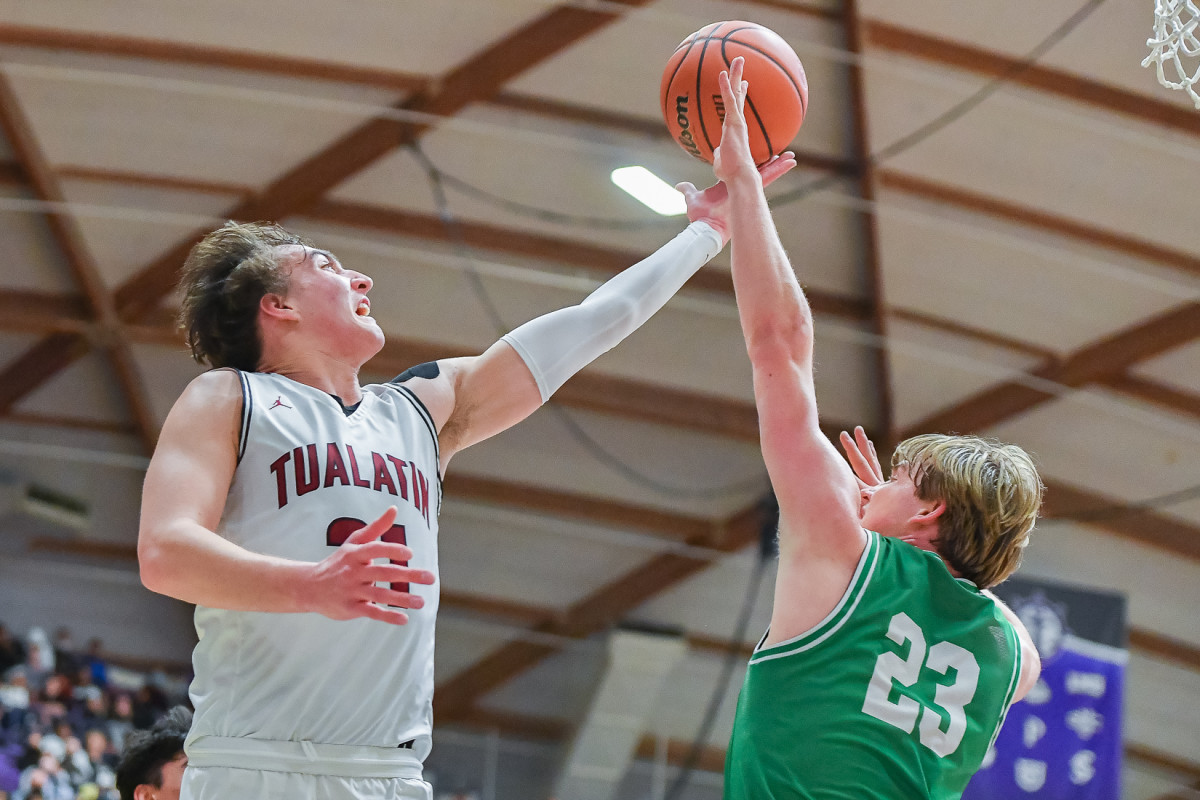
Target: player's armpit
489,394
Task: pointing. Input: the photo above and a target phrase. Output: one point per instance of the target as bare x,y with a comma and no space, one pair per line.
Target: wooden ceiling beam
178,52
1026,217
1159,394
1146,526
869,226
71,242
1109,357
572,505
1166,761
1057,82
31,311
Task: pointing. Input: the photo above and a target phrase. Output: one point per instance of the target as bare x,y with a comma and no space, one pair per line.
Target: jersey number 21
904,711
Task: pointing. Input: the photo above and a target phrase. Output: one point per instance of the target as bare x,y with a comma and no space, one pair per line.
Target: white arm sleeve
559,344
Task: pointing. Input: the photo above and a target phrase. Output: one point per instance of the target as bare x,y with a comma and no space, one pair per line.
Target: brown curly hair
224,277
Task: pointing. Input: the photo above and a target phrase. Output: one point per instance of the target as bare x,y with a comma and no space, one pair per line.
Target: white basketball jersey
307,476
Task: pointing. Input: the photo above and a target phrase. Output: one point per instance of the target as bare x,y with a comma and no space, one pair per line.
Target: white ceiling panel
86,390
1120,448
171,368
691,473
1048,155
531,559
558,687
462,640
163,127
710,602
1179,368
127,227
937,369
995,277
33,259
1163,694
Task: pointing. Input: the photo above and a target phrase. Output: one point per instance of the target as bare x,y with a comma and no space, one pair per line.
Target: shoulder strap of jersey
247,410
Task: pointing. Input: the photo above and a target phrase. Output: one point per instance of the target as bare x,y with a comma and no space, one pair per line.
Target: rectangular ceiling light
650,190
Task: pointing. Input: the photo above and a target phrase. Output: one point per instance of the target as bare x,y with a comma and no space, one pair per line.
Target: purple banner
1063,741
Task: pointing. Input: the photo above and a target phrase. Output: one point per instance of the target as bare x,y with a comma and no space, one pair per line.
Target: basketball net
1175,24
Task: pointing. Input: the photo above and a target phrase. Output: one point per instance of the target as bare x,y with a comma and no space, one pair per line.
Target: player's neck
331,376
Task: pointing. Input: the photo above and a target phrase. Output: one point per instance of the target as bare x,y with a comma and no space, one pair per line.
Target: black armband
429,369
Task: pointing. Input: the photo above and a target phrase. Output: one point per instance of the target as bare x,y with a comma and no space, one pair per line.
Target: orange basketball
691,96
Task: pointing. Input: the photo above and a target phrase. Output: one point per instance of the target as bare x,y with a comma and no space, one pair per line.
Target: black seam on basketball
699,110
761,127
782,69
750,103
671,82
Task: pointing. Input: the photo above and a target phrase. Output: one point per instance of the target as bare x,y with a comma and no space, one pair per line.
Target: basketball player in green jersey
887,669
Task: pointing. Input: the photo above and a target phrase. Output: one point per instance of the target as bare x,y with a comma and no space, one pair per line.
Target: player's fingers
687,189
391,573
375,529
384,596
389,615
394,573
392,551
867,447
776,168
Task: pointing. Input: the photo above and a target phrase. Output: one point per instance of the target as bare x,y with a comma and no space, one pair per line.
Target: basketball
691,97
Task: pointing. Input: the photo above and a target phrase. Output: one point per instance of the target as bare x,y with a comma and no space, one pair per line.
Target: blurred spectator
153,761
66,660
120,720
36,661
46,779
12,652
60,740
149,703
94,660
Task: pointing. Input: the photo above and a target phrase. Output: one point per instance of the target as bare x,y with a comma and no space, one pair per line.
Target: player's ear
143,791
930,511
276,306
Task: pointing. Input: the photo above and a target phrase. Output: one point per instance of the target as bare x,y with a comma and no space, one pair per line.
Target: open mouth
364,308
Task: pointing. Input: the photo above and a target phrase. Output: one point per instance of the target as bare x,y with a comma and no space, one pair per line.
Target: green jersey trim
1013,681
838,616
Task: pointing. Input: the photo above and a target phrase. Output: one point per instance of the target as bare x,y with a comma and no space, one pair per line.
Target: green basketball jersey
898,693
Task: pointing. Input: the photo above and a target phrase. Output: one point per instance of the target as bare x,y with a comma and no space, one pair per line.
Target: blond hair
992,494
224,277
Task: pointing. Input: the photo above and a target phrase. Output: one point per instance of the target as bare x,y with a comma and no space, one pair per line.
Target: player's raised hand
344,585
860,452
711,204
733,153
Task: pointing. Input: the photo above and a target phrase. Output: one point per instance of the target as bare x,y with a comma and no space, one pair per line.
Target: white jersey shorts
250,769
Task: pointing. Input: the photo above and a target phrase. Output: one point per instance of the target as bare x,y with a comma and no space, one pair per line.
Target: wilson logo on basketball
685,134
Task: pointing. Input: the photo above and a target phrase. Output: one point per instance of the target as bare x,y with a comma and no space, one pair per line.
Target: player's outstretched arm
181,555
520,372
817,493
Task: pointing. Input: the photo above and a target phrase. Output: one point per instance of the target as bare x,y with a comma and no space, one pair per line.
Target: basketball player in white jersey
298,509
